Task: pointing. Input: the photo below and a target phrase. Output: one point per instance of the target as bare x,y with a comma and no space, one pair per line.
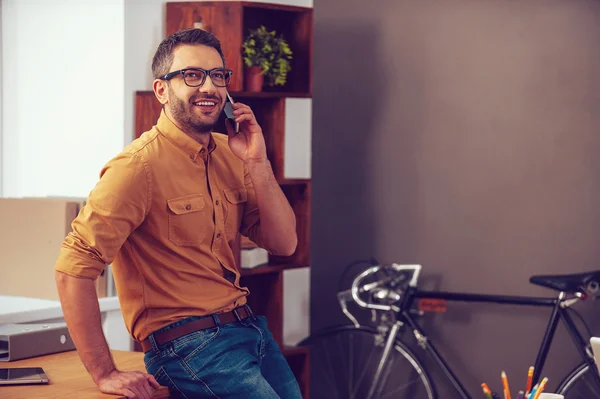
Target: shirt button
217,202
188,207
192,157
218,235
202,151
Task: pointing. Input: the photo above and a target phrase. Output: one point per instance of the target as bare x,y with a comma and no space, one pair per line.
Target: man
165,213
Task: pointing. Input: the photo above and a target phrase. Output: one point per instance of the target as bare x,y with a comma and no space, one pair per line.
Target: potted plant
267,58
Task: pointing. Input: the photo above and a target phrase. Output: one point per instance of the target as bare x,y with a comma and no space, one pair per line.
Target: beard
188,119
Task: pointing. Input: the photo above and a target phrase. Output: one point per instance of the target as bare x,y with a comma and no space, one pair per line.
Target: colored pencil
486,391
505,385
529,380
541,388
533,390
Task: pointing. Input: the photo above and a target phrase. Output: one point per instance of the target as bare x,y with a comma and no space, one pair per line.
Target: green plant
270,52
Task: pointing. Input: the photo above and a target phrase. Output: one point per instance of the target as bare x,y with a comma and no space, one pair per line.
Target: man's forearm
277,219
82,314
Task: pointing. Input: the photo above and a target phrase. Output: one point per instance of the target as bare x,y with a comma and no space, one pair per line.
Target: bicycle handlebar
357,289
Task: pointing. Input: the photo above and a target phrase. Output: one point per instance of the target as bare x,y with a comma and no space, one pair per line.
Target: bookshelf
230,21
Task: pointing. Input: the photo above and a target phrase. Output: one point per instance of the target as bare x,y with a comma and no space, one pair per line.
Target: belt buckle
248,310
237,315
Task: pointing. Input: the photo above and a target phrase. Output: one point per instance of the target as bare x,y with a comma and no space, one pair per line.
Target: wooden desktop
69,379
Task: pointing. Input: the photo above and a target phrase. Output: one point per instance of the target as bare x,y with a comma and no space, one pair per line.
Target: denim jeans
233,360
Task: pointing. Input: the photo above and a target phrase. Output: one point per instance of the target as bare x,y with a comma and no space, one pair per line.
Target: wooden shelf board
268,94
271,268
273,6
267,6
292,182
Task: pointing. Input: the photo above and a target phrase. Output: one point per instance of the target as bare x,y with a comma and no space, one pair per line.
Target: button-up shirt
165,214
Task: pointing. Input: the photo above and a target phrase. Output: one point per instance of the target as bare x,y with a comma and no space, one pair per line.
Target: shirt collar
179,138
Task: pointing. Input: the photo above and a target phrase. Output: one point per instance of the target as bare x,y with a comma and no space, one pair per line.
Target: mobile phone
229,111
23,375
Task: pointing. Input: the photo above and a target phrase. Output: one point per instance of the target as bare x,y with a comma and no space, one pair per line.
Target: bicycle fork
389,345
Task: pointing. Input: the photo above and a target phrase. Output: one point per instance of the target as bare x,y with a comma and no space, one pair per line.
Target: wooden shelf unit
231,21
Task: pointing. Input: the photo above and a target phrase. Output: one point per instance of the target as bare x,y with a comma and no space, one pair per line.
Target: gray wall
461,135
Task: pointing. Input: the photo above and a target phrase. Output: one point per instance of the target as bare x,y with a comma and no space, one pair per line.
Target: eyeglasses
195,77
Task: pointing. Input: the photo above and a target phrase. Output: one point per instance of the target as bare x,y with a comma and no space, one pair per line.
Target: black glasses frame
206,72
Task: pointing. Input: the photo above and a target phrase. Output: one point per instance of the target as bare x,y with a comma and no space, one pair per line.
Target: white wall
297,143
144,29
296,305
65,116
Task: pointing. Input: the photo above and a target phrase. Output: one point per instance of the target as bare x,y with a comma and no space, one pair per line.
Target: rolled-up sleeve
116,206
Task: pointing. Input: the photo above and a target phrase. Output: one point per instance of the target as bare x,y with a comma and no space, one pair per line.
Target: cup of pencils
535,392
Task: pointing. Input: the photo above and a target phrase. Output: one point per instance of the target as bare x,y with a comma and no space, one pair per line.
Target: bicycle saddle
570,283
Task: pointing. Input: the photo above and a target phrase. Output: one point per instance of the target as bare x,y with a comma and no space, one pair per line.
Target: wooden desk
69,379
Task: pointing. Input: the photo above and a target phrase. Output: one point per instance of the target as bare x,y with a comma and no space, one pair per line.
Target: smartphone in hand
229,112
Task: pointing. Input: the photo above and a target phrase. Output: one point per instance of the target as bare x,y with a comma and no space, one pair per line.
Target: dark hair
163,58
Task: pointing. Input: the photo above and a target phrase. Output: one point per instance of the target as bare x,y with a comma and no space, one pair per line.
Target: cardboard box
31,233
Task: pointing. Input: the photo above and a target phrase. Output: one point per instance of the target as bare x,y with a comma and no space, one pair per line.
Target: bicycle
390,292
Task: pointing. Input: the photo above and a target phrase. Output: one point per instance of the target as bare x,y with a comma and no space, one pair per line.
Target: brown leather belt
161,338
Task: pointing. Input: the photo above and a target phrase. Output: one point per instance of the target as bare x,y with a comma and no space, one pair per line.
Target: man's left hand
249,143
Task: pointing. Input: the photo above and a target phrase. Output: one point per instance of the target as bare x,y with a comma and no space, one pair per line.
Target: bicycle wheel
344,360
579,384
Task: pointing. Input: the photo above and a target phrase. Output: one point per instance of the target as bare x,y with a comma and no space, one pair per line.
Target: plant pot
254,79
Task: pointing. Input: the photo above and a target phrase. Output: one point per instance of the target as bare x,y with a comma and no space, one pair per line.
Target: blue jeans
233,360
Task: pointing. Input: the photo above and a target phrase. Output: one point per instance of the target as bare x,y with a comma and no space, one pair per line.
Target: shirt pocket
187,219
236,201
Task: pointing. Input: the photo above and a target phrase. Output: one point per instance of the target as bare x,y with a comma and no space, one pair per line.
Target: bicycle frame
558,305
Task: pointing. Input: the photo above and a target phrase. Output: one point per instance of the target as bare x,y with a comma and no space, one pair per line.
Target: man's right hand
133,384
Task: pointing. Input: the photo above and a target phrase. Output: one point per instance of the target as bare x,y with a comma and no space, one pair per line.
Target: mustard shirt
165,214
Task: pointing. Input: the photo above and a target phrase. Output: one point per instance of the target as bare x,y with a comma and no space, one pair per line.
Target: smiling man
165,213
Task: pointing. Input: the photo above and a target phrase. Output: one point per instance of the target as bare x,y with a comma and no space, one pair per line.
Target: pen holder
545,395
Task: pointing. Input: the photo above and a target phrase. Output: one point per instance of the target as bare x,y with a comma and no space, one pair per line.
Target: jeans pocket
191,344
152,357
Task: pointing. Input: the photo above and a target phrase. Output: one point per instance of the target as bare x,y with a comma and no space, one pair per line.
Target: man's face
195,109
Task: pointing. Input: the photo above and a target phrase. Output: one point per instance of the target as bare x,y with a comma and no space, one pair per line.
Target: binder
21,341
